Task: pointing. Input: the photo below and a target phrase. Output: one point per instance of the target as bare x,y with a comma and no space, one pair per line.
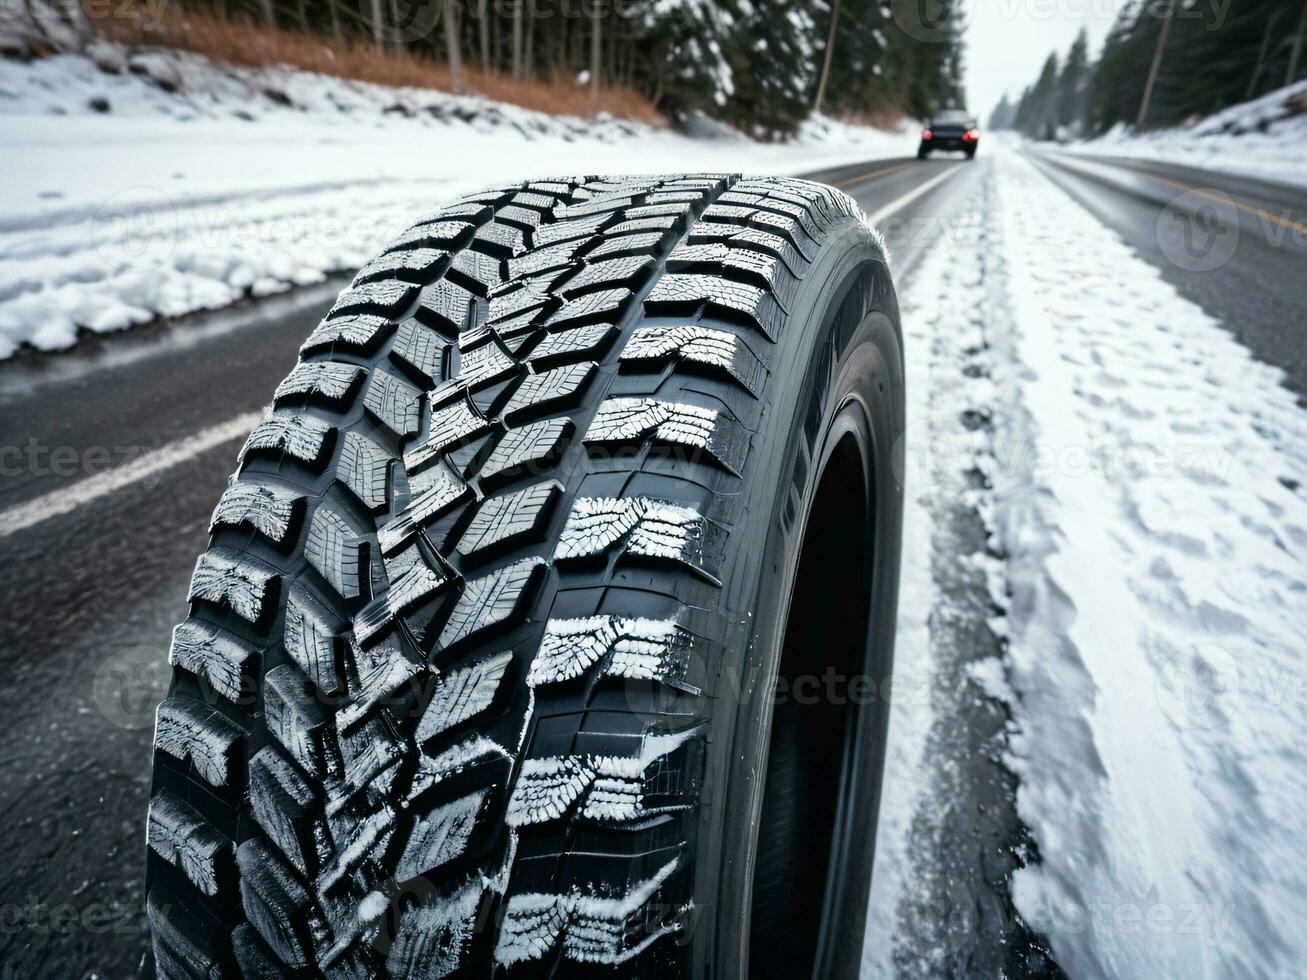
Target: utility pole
830,50
1297,47
452,54
1261,56
1157,63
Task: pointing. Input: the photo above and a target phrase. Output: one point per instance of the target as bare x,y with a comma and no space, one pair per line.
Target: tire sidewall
844,343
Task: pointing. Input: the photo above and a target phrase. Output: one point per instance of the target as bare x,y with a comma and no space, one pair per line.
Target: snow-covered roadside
182,200
1144,496
1266,138
1149,488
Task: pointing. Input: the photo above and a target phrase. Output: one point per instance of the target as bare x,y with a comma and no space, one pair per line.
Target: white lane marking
68,498
901,202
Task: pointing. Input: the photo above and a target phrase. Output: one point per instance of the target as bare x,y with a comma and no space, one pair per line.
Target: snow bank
1264,138
136,185
1145,503
1149,490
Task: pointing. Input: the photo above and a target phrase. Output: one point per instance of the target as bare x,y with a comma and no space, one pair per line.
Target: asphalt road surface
115,452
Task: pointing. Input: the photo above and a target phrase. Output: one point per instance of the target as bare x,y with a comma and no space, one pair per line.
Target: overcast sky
1008,40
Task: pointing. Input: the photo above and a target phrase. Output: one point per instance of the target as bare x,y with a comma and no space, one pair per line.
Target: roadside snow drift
1265,138
159,183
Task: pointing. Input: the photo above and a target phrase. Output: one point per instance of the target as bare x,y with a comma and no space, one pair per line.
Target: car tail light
925,134
971,134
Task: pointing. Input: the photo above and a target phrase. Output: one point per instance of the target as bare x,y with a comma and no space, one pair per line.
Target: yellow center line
868,176
1223,198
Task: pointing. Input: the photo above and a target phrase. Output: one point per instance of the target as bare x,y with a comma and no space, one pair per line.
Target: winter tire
479,667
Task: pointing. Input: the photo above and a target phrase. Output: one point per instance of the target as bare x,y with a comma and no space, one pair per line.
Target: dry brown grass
241,43
886,119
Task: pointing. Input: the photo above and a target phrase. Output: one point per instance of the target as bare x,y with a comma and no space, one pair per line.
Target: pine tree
1071,85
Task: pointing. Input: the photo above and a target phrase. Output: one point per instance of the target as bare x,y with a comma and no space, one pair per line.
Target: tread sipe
445,698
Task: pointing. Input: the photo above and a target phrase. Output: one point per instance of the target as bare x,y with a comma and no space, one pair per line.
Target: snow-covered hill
1265,138
156,183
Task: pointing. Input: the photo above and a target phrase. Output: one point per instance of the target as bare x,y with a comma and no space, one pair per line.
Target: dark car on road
952,129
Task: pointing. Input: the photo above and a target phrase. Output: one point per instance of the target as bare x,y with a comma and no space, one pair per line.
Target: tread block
551,391
369,753
783,225
639,526
748,238
294,716
607,789
509,520
364,467
274,902
445,304
500,239
451,425
192,731
310,638
412,580
589,926
436,233
416,265
605,305
302,437
440,836
658,223
422,349
379,671
270,509
281,802
640,243
609,274
685,292
178,955
757,267
433,492
693,344
253,956
387,297
432,940
491,601
523,296
627,420
462,694
529,447
183,838
229,578
327,381
471,753
569,230
213,654
485,365
335,550
367,839
394,402
352,333
538,260
631,647
579,343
